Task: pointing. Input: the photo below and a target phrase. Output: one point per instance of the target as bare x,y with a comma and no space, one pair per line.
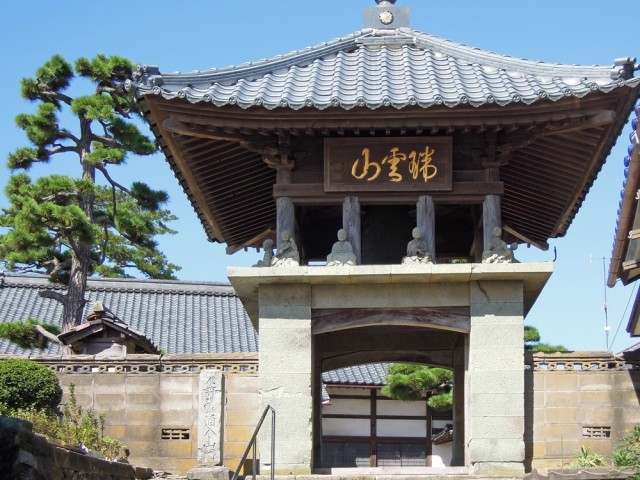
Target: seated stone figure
417,250
498,251
341,252
287,253
267,245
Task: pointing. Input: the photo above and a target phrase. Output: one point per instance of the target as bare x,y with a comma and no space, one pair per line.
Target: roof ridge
128,285
258,67
477,55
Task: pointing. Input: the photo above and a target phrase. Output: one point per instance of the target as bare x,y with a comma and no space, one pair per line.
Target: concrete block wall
565,406
138,407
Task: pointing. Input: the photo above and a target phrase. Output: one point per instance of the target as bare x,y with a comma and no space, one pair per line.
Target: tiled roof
377,68
178,317
371,375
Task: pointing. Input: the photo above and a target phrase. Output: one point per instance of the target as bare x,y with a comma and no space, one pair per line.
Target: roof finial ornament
386,16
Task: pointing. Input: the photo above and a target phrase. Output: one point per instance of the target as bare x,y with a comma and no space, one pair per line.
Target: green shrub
627,452
584,459
25,384
75,426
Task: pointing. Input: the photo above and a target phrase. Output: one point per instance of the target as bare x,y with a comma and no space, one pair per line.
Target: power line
635,286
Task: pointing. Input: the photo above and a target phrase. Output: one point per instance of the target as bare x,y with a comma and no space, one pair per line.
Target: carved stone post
351,223
426,221
491,216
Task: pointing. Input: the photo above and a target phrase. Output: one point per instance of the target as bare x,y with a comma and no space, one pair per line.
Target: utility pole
607,328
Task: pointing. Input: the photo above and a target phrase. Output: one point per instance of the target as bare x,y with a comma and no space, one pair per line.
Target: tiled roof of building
378,68
369,375
178,317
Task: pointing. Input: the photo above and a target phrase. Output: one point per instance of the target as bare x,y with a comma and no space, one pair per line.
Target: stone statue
341,252
267,245
498,251
287,253
417,251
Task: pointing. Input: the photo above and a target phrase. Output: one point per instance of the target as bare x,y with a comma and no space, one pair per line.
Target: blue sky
197,35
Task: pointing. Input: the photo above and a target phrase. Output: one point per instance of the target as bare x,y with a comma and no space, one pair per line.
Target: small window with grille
175,434
596,432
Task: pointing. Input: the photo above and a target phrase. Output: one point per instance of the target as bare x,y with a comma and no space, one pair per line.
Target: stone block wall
152,403
156,416
579,399
26,456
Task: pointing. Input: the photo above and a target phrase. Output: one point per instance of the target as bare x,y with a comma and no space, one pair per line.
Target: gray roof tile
179,317
374,68
370,375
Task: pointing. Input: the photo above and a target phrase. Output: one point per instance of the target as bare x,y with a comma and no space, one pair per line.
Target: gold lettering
366,166
393,159
420,164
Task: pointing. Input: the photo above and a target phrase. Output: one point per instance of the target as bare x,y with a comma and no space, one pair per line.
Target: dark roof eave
627,211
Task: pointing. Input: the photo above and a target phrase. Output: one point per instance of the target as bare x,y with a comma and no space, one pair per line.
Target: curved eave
377,69
627,207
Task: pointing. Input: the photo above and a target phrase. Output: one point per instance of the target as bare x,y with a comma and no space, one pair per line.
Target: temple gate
388,177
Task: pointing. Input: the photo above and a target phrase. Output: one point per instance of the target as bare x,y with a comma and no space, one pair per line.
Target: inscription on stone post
210,417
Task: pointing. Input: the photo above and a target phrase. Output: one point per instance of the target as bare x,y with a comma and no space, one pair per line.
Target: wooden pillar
426,221
351,223
491,216
285,217
459,367
285,211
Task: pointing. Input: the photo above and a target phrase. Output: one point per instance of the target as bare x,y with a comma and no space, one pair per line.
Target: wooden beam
446,318
301,191
544,246
213,133
257,240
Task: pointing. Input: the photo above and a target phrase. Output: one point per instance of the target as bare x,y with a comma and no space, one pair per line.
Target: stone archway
290,306
374,342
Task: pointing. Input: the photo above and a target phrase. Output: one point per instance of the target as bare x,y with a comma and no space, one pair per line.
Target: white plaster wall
348,406
401,428
358,427
398,407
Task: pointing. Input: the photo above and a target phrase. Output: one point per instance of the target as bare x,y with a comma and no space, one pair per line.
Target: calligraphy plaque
387,164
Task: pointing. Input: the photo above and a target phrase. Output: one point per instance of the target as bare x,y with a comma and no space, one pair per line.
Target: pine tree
72,228
406,381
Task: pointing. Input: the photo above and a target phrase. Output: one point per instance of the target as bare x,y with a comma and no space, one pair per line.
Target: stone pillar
492,217
210,420
426,221
351,223
459,368
495,385
286,372
285,217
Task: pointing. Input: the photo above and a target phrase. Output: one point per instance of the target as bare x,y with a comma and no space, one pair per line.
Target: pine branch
53,295
111,181
45,333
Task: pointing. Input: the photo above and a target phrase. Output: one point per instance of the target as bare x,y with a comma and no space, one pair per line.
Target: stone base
497,469
208,473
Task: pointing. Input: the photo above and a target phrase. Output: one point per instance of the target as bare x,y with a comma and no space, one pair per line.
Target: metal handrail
252,443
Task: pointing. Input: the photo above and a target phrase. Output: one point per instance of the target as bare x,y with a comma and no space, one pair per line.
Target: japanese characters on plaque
387,164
